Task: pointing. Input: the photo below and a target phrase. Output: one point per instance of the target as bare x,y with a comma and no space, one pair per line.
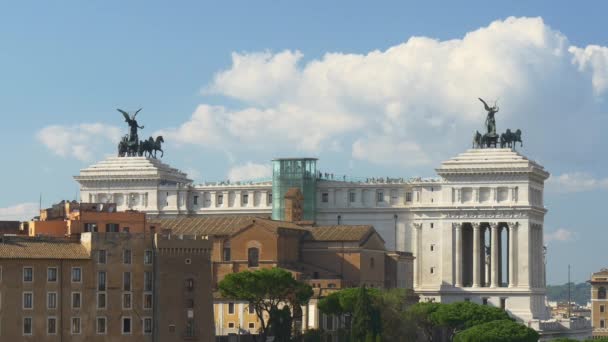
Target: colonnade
477,264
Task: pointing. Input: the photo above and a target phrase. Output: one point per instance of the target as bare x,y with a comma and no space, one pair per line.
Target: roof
341,233
230,225
34,248
219,225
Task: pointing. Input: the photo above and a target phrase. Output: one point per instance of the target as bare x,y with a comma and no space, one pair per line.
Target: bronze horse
148,148
508,139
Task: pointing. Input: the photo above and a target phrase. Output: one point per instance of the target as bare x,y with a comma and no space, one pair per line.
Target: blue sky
233,84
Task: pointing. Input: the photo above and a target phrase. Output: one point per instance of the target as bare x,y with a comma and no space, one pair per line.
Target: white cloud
593,58
560,234
249,171
19,212
423,90
576,182
78,141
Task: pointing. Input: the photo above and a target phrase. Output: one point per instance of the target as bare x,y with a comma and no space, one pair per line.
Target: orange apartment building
92,274
599,303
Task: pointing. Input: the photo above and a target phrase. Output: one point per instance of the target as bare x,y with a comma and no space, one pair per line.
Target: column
211,199
264,199
458,259
512,268
251,200
417,253
476,254
495,255
225,199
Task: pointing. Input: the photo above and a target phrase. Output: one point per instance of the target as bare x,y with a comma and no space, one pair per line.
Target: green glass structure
294,173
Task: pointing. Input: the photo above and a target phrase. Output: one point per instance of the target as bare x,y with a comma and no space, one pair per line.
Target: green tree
421,314
505,330
266,290
366,320
396,325
463,315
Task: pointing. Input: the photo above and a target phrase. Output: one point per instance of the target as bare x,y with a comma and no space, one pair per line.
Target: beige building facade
599,303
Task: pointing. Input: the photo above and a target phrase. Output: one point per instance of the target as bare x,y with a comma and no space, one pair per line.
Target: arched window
601,293
253,257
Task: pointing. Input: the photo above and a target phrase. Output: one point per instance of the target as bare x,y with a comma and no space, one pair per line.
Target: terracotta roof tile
340,233
31,248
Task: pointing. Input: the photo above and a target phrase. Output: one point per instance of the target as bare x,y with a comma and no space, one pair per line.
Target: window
126,325
602,308
27,325
226,253
352,197
126,257
101,300
51,274
503,303
126,300
484,301
432,270
126,281
380,196
147,325
147,301
245,199
432,247
76,274
101,281
101,256
76,298
253,256
195,200
28,274
231,308
187,261
101,326
325,197
269,199
112,228
371,263
75,325
432,225
51,325
602,323
467,299
408,196
251,325
601,293
51,300
331,286
125,229
148,257
90,227
251,309
189,284
28,300
220,199
231,325
147,281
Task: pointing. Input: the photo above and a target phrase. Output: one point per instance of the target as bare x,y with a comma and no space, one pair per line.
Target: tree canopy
267,291
505,330
463,315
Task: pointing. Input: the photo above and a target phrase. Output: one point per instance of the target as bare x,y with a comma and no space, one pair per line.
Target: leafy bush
498,331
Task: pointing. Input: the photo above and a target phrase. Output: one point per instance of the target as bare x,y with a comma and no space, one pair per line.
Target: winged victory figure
490,121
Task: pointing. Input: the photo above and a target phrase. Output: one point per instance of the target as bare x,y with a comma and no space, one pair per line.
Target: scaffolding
298,173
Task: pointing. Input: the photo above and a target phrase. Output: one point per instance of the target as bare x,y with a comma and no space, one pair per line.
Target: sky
371,89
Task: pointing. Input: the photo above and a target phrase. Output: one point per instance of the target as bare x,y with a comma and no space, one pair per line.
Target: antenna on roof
40,204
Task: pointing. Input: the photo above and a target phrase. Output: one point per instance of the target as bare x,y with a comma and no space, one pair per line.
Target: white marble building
476,231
